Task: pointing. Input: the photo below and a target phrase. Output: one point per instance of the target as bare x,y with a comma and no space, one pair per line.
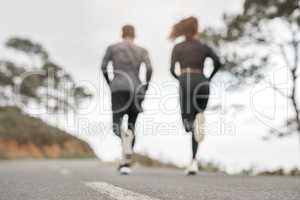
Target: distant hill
23,136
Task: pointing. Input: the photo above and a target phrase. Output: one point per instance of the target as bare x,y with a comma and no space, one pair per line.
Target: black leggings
194,95
126,102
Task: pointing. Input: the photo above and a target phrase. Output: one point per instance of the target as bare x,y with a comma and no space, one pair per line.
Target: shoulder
141,49
181,45
113,48
178,46
115,45
205,46
109,48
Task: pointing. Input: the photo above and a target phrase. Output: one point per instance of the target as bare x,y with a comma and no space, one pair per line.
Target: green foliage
258,13
27,132
47,84
27,46
248,42
147,161
18,126
270,9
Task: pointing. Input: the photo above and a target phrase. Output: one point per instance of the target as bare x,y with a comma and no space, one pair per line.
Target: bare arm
106,59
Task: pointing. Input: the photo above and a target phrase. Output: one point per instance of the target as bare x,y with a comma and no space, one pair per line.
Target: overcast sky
76,33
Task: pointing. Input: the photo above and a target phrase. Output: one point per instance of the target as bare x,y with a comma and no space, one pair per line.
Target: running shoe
193,169
125,169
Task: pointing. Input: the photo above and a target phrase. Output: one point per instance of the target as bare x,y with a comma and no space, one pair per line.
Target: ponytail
187,27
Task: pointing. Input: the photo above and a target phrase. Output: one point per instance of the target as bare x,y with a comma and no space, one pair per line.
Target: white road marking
117,193
65,171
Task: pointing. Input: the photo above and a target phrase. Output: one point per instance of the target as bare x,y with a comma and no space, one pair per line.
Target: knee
131,126
188,128
188,125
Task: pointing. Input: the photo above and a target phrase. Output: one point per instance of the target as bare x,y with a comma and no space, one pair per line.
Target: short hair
128,31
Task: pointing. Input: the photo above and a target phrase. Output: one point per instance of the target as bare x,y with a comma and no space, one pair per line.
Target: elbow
172,70
149,74
104,68
218,65
174,74
150,70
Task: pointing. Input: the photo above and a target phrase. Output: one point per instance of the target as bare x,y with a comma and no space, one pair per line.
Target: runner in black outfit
127,89
194,86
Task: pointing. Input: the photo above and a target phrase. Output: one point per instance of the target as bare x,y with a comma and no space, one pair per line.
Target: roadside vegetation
26,137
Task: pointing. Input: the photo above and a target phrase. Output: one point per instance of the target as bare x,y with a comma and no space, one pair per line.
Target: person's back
126,58
192,54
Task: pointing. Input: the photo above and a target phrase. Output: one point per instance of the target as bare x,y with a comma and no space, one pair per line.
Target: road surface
93,180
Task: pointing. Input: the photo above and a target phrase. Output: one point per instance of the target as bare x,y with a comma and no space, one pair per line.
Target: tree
46,84
251,43
28,47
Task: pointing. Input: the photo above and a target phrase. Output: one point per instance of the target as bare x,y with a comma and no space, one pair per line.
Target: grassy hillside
23,136
147,161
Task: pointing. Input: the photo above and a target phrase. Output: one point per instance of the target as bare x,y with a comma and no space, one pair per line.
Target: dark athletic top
192,54
126,58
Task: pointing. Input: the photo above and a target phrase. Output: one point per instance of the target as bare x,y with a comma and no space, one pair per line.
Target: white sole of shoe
191,173
125,171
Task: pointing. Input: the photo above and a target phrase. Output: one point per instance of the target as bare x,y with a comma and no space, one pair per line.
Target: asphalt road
93,180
